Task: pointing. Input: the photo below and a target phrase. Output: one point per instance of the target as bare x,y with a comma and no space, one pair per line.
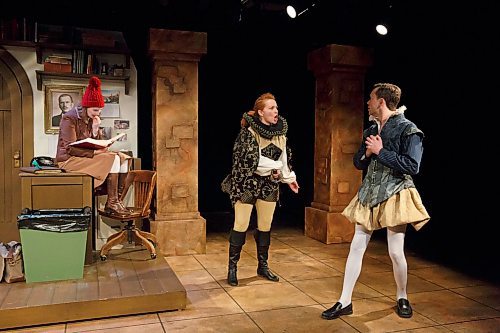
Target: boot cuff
262,238
237,238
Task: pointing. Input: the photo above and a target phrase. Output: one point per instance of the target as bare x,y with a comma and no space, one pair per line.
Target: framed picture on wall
111,104
59,100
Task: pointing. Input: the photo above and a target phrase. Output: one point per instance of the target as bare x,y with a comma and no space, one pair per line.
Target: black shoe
404,308
336,311
232,278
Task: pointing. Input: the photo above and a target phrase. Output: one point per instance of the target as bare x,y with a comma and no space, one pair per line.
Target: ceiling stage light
381,29
290,10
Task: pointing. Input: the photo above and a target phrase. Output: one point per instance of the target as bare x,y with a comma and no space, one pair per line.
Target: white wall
46,144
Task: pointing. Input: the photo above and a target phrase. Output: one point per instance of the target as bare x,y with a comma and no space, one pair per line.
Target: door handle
17,159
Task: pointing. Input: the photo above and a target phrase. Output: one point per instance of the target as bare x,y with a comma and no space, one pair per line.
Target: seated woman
82,122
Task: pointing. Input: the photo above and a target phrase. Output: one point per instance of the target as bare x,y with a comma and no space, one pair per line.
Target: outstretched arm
294,186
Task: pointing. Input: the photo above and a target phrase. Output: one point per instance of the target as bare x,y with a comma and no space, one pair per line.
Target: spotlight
381,29
292,12
385,18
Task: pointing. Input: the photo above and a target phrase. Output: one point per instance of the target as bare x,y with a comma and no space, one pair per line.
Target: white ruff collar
400,110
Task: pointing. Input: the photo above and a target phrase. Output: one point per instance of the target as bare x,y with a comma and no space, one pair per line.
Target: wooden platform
129,282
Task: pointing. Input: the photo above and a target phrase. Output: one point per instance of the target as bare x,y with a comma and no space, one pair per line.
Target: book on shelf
59,58
95,144
41,169
55,67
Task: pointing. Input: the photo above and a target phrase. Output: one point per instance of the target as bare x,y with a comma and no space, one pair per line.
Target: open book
95,144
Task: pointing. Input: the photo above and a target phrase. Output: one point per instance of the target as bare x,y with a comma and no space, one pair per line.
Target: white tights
395,242
117,167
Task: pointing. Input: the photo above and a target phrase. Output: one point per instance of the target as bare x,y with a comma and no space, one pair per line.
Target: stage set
128,282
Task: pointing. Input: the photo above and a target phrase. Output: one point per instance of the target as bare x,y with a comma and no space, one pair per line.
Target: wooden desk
62,190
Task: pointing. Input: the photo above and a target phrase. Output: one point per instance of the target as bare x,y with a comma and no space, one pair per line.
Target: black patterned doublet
243,184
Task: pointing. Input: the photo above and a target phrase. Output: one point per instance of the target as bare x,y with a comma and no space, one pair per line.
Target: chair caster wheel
153,255
103,258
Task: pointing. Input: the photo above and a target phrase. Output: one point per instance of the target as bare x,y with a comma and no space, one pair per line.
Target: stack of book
59,63
41,170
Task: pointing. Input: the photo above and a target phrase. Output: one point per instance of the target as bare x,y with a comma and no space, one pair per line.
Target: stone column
340,73
175,55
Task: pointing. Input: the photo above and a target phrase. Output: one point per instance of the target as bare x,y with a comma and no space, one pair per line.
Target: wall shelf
85,47
43,75
40,47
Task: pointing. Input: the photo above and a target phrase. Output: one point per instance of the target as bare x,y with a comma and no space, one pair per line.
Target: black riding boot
236,241
263,240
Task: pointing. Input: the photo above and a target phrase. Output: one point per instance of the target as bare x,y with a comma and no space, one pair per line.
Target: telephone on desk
43,161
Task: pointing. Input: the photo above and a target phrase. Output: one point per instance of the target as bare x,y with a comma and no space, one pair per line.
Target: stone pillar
175,55
340,73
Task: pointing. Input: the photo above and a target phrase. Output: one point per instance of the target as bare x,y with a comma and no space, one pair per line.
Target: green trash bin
53,243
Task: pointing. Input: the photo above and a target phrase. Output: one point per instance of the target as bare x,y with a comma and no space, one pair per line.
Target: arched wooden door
16,140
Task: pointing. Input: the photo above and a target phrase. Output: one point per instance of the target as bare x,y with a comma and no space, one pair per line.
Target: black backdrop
443,70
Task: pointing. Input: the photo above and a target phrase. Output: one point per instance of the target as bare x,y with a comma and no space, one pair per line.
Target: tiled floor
310,281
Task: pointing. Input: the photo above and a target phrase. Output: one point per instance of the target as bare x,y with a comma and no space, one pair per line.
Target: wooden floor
128,282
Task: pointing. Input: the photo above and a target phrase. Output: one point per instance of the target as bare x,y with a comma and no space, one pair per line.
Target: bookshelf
17,29
71,53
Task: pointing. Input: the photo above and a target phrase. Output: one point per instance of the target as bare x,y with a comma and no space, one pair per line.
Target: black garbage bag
55,220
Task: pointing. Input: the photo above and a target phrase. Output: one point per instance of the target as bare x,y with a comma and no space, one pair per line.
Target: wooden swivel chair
144,182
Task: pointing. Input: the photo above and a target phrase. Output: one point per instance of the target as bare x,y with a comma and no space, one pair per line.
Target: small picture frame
121,124
111,104
58,100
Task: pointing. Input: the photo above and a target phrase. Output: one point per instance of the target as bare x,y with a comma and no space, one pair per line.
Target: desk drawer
56,180
54,196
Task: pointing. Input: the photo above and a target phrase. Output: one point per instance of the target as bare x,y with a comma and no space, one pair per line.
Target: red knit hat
92,98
